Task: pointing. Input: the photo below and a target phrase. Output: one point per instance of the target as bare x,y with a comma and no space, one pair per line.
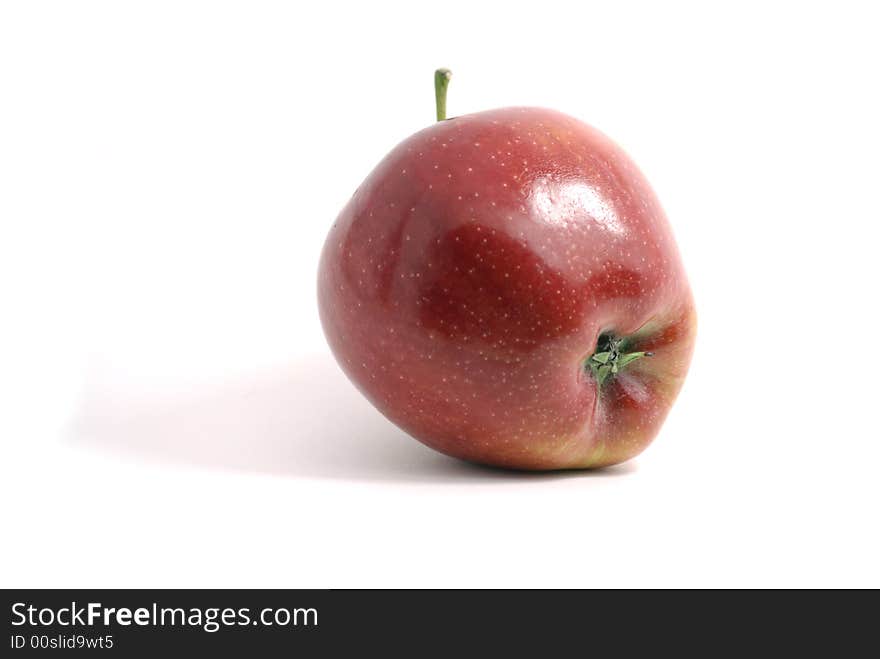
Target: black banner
267,622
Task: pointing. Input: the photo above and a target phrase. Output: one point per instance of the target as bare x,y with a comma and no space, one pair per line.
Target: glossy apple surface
494,284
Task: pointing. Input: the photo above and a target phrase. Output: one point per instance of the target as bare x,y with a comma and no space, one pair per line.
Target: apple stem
441,84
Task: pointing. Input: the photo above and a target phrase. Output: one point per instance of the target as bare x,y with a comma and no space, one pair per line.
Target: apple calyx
610,357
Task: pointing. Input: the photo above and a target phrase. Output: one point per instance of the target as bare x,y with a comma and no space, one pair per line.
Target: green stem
441,84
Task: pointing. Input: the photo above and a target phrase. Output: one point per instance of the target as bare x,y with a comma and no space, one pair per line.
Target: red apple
505,287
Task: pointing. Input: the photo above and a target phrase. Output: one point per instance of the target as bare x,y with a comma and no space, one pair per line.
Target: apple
505,287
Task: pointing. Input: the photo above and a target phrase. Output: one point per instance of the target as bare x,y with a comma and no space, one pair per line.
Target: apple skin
468,280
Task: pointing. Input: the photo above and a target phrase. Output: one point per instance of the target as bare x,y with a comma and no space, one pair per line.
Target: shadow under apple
304,420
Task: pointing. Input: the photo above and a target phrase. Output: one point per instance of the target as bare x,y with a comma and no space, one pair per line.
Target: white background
170,414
